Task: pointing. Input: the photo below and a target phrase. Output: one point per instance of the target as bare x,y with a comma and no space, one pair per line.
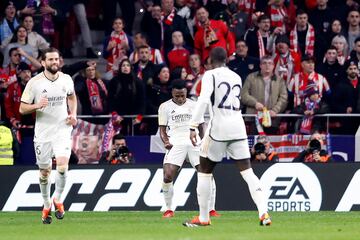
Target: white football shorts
45,151
177,155
216,151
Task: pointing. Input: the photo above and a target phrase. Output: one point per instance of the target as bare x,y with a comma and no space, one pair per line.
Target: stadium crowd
293,56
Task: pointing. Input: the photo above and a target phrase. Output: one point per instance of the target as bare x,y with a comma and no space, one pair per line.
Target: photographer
314,151
263,151
119,153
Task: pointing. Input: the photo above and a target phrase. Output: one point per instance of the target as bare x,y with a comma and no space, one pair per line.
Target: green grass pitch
149,225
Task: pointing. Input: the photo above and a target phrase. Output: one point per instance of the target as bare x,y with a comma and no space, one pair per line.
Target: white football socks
213,194
203,193
60,180
168,191
45,185
256,192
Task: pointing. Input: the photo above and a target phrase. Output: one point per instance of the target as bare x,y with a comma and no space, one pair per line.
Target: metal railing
287,115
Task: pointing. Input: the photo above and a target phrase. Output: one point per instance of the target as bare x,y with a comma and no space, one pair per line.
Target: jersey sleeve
28,95
162,118
207,88
70,86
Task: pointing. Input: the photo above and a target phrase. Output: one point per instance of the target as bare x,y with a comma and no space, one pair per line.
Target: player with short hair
226,133
174,123
51,95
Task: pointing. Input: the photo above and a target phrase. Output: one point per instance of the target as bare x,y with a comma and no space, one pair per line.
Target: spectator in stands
22,125
321,18
80,13
35,40
210,34
311,106
127,96
194,74
287,62
15,56
160,92
140,40
184,10
355,53
20,41
119,153
178,73
300,80
12,98
278,14
127,11
353,30
345,99
257,41
74,68
144,69
243,64
330,68
179,55
9,23
116,46
42,13
92,93
263,89
314,151
161,23
302,37
263,151
339,42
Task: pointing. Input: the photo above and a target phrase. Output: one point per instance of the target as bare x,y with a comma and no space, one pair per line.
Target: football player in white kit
174,123
51,95
226,133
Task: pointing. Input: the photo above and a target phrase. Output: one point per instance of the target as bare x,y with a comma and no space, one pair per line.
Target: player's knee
168,178
62,168
44,176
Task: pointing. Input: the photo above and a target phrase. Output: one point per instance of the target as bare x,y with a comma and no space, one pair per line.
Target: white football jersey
50,120
220,88
177,120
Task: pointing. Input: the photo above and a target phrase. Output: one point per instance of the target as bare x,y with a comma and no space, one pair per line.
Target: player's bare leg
203,191
60,181
256,192
45,184
169,171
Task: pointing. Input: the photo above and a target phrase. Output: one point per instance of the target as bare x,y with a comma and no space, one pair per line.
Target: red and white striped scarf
262,48
170,18
277,16
287,62
94,95
310,40
117,52
299,82
247,6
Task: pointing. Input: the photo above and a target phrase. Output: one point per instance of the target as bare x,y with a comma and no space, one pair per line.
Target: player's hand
71,120
168,145
16,124
193,138
43,102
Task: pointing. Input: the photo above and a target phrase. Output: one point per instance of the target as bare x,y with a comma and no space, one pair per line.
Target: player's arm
26,108
72,104
207,88
201,128
164,137
162,120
